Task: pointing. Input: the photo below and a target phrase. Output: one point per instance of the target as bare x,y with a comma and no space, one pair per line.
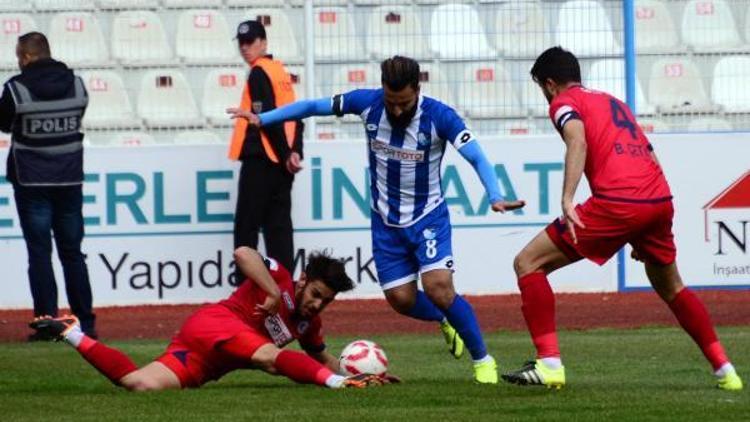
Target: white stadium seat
486,92
335,37
128,4
255,3
16,6
184,4
138,37
319,2
435,84
533,99
165,100
203,36
58,5
709,124
583,27
729,86
130,139
76,39
653,126
197,137
282,42
655,31
395,30
13,26
456,33
608,75
676,86
521,30
221,90
109,103
708,26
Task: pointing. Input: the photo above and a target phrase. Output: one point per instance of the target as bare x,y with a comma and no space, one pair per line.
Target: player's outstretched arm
294,111
473,153
574,135
253,267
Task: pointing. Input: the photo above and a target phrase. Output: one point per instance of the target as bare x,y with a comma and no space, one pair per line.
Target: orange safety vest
283,94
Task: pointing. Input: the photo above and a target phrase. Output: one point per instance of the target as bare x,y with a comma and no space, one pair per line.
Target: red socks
693,317
539,312
112,363
301,368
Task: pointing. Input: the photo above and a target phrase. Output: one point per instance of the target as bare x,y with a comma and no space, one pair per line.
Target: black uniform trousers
264,203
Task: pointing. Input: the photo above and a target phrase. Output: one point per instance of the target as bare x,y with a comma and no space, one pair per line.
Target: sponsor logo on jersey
429,233
303,326
395,153
422,139
278,331
371,127
288,301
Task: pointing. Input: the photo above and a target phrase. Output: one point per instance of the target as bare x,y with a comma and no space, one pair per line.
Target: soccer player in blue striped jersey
407,134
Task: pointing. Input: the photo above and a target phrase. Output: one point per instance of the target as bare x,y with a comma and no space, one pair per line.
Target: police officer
42,108
270,156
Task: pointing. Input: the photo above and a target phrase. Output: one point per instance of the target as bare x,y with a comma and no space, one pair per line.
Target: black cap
248,31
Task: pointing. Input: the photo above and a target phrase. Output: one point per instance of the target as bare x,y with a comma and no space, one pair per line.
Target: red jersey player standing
631,203
246,331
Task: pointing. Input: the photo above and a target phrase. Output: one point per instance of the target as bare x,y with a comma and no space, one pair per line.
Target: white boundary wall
159,227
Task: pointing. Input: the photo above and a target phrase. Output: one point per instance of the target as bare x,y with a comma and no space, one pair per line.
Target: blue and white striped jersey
405,179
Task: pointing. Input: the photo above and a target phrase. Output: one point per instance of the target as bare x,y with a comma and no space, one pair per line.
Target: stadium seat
608,75
138,37
58,5
203,36
165,100
221,90
435,84
298,76
16,6
514,127
76,39
198,137
655,31
255,3
130,139
184,4
532,98
457,33
653,126
335,37
486,92
521,30
729,86
583,27
709,124
676,86
109,104
282,44
319,3
708,26
128,4
13,26
395,30
349,77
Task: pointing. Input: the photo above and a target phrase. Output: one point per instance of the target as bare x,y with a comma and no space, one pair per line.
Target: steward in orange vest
270,156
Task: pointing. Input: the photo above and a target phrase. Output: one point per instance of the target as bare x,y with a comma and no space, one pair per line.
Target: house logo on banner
726,228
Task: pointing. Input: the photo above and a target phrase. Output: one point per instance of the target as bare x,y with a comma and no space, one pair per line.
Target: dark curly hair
321,266
398,72
557,64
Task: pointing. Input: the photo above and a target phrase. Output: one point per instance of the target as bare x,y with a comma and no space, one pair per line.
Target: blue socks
461,316
425,310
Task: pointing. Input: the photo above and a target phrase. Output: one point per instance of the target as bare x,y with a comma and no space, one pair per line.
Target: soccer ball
363,357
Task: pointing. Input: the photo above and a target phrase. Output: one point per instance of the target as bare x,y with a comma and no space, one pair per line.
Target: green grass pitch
645,374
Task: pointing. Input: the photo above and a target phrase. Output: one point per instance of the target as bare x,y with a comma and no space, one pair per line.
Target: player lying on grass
407,134
246,331
631,203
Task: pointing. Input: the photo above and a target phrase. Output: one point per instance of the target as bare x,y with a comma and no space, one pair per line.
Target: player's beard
404,119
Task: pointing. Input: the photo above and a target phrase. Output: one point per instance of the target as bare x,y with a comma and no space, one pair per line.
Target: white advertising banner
159,219
710,179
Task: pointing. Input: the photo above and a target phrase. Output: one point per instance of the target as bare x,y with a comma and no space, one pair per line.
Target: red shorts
647,227
195,354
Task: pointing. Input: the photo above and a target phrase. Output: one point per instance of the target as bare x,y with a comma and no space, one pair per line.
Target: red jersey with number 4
283,327
618,155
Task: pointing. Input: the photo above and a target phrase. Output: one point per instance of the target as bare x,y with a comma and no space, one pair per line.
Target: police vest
47,148
283,94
